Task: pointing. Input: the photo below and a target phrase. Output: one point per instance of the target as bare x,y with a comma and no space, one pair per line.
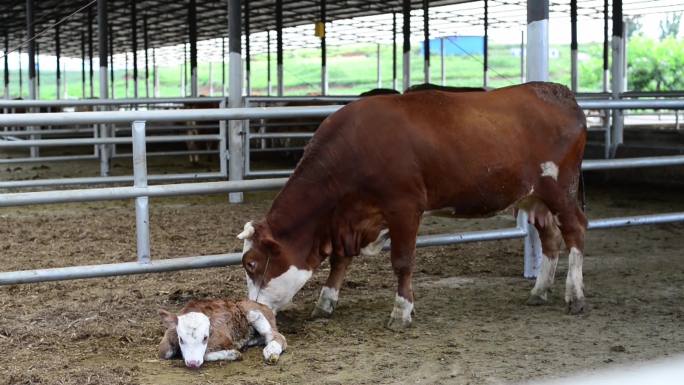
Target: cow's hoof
272,359
398,324
577,306
319,312
537,300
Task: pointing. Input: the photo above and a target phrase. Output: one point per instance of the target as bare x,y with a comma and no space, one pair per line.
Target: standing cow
376,165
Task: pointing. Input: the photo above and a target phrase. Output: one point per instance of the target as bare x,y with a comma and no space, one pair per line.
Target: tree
634,26
670,26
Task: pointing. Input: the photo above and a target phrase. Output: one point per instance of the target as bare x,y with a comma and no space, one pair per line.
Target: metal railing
141,191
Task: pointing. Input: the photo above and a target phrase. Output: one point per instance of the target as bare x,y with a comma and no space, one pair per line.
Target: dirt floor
471,324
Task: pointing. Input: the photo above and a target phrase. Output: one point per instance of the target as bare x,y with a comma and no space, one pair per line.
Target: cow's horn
247,232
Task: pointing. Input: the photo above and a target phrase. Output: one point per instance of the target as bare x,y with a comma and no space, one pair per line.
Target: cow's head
274,273
193,334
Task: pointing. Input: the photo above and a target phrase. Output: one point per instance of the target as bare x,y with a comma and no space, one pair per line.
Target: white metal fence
141,191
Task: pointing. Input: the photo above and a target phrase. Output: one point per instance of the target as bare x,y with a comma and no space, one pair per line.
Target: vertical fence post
104,148
532,249
142,215
223,155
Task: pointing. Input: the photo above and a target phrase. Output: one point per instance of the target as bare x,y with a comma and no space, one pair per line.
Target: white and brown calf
214,330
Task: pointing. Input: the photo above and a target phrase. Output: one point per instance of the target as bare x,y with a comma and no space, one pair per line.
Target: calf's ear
169,319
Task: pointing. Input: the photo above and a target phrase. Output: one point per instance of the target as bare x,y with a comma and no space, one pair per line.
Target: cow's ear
247,232
169,319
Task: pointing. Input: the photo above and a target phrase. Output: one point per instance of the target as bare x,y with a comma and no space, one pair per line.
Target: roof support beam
406,63
134,46
248,83
537,40
192,34
102,45
324,54
236,148
279,46
485,70
90,51
7,76
394,50
574,79
83,66
146,43
30,32
58,73
426,41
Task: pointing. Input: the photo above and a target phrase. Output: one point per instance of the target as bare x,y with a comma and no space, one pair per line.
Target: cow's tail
580,189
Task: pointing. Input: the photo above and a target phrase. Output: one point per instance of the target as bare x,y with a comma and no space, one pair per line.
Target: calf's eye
181,341
205,339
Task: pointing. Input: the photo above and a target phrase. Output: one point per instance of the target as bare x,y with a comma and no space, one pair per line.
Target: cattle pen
138,137
142,192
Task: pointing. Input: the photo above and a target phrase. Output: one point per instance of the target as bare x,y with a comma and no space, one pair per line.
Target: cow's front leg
330,292
403,248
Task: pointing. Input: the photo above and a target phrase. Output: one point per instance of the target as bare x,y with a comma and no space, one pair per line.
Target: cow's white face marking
573,284
279,290
549,169
193,334
246,235
376,246
402,309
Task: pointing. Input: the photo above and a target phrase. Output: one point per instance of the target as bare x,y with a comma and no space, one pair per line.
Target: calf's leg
223,355
275,342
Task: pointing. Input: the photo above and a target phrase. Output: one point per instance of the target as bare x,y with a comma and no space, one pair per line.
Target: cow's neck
299,217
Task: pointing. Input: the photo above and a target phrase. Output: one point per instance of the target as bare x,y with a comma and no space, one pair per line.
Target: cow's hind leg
551,239
573,225
403,230
329,296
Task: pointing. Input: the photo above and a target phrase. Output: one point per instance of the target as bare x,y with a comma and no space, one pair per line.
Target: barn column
90,52
618,74
269,86
110,41
605,46
102,45
83,66
146,43
378,65
248,58
223,66
537,40
574,80
235,147
7,76
441,61
102,51
485,48
30,32
58,71
394,50
192,29
324,54
426,42
155,75
537,70
21,86
126,74
37,70
134,45
406,30
279,47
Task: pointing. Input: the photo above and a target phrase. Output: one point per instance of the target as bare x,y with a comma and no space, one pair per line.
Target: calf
215,330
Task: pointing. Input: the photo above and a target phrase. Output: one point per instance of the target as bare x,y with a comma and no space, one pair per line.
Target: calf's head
193,334
274,273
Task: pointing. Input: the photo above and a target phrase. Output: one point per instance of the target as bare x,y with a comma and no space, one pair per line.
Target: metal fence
141,191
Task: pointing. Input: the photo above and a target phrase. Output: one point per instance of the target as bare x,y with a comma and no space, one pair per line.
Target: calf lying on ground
214,330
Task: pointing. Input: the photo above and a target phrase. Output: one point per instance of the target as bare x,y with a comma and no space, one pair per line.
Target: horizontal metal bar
610,164
113,193
471,236
268,173
64,118
41,159
283,99
669,104
103,102
116,269
91,141
88,130
273,135
105,180
637,220
168,153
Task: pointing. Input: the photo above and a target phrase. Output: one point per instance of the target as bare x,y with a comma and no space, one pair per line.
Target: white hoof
272,352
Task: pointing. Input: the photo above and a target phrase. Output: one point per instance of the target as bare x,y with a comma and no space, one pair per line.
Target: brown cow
435,87
379,163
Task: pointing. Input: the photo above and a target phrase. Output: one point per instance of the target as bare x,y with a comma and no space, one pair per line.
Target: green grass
352,70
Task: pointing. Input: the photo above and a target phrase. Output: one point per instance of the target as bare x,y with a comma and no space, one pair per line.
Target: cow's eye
204,341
